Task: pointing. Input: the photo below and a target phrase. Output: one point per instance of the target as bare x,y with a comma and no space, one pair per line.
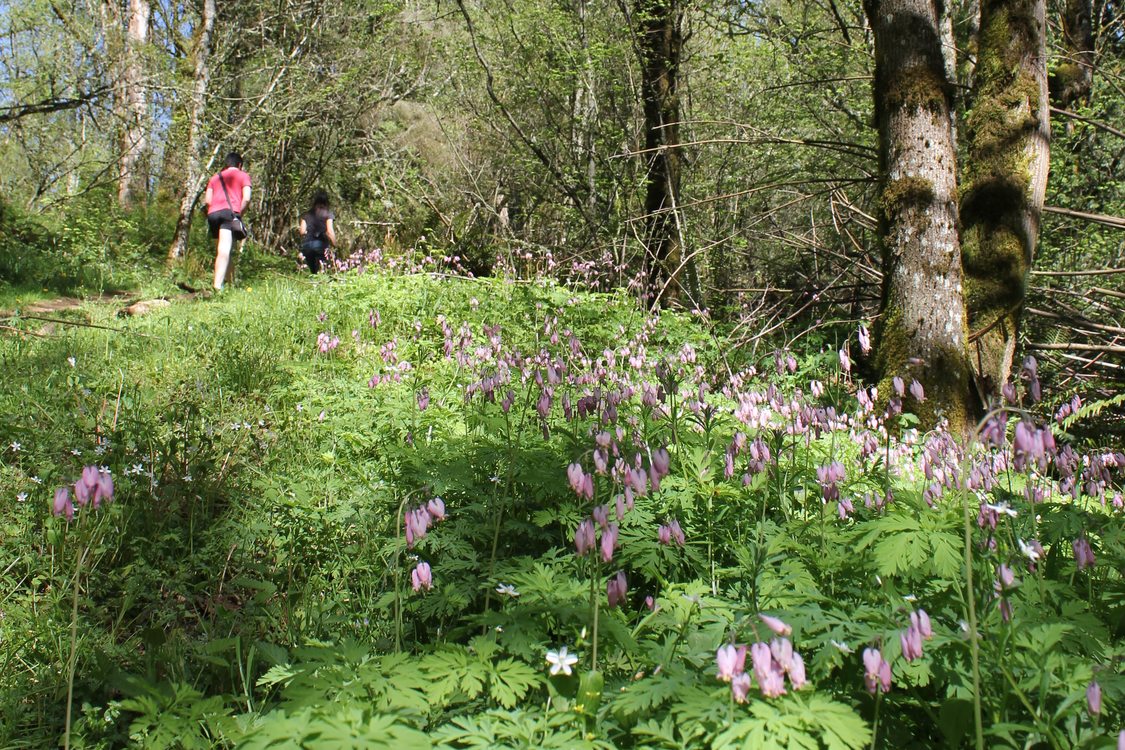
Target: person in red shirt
228,193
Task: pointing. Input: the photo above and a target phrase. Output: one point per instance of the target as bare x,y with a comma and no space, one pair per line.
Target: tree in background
922,330
669,275
201,52
1004,180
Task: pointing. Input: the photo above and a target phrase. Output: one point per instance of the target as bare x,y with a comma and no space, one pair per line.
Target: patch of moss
919,87
904,193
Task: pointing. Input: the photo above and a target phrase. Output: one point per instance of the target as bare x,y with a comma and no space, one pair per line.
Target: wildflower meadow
393,508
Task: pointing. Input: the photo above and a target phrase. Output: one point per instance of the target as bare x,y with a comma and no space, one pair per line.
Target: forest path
43,310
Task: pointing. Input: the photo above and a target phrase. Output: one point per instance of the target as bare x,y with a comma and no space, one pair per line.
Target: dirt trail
134,306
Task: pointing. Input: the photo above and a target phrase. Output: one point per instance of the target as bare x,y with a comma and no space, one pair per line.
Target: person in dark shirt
317,232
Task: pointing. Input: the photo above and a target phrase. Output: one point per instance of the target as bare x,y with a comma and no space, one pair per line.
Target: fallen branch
1096,123
1081,323
1090,272
1105,348
1110,221
22,332
64,322
1108,292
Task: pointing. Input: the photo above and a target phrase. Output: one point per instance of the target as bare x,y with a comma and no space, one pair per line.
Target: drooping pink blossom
911,641
1083,554
575,475
609,542
797,672
617,589
436,508
422,577
584,539
776,625
677,533
731,660
864,340
62,504
740,688
1094,698
917,391
877,671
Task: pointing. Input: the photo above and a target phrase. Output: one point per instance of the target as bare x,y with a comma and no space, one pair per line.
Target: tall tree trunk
661,43
132,183
1004,181
586,110
922,330
193,172
1073,76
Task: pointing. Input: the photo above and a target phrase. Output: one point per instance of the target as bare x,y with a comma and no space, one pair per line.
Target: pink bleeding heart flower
740,688
62,504
609,542
422,577
436,508
1094,698
776,625
731,660
616,589
584,539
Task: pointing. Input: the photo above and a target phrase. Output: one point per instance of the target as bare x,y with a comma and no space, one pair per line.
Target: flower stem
72,661
595,599
974,644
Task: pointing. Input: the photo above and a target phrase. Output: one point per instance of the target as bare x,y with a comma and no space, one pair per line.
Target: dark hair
319,202
234,159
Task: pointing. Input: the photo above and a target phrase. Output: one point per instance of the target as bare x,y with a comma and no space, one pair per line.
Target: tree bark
667,273
132,181
193,171
1073,76
922,331
1004,180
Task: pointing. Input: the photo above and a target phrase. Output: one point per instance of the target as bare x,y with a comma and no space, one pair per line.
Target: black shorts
222,219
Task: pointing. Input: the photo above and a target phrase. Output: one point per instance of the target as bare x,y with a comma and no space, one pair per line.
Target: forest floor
345,512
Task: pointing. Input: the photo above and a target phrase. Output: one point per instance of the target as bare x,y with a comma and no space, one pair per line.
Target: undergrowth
413,511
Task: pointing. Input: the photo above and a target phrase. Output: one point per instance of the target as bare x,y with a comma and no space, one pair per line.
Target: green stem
974,644
596,601
875,724
72,661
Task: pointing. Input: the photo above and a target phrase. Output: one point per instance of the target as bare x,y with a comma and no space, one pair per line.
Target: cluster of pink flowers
876,671
911,638
418,520
93,487
771,663
326,342
671,533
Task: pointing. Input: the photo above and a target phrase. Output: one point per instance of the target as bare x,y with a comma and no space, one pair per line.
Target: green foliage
251,585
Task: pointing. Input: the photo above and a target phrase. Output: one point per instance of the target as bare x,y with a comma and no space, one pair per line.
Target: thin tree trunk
132,178
1005,180
193,172
922,330
661,43
1073,76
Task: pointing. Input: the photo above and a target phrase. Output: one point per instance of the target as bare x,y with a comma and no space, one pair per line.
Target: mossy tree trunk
193,169
921,332
660,38
1073,76
132,184
1004,180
